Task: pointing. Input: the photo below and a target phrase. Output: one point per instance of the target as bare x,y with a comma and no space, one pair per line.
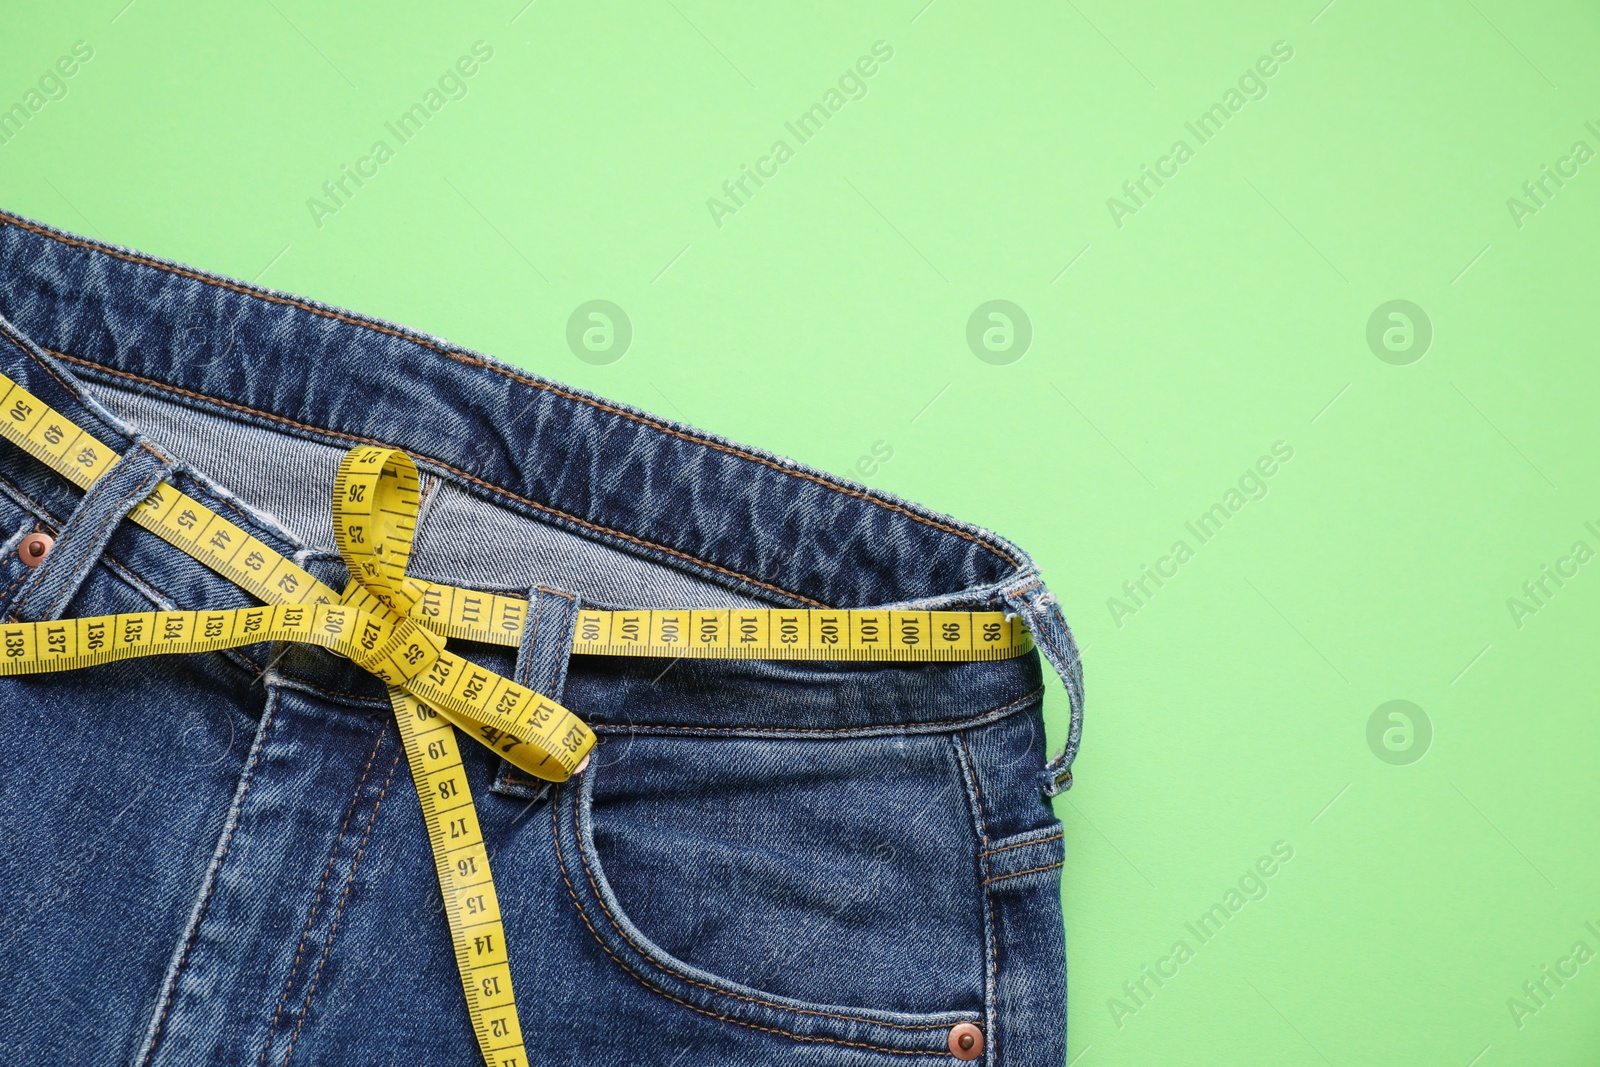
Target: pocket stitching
583,914
594,887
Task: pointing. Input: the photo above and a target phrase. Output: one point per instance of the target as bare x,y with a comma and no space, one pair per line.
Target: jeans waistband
759,524
82,317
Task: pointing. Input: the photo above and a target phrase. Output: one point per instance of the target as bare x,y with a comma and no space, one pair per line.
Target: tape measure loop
375,510
376,500
396,626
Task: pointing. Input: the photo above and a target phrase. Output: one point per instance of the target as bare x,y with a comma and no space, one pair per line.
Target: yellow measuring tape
776,633
395,627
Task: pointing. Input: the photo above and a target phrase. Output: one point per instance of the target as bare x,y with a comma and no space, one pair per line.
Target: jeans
220,858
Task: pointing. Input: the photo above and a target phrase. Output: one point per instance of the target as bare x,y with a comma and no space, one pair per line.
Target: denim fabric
219,859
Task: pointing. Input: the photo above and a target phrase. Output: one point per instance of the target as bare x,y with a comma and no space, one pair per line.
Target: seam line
1019,874
979,719
561,862
316,903
577,829
237,810
440,465
473,361
1023,844
344,899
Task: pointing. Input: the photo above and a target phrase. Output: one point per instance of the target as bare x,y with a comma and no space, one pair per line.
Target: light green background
828,315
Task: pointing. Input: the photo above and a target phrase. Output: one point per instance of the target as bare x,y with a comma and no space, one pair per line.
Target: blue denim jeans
220,858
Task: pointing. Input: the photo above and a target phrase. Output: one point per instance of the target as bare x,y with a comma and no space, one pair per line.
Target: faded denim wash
220,859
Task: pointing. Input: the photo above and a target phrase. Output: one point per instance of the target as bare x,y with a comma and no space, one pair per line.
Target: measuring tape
395,626
776,633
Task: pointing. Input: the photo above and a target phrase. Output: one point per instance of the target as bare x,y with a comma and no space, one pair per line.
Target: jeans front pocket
820,890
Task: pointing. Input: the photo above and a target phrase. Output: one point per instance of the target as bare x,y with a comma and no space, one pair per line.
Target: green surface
1176,340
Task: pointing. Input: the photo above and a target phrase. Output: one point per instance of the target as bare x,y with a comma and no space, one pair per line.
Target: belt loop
1029,598
547,641
44,594
541,666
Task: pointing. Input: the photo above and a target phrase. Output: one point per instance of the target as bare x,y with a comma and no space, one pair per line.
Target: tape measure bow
376,498
375,507
395,627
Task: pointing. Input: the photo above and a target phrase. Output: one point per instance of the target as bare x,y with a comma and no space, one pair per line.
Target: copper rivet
580,767
966,1041
35,547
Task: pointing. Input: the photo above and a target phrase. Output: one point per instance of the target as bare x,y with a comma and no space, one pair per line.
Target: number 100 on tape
775,633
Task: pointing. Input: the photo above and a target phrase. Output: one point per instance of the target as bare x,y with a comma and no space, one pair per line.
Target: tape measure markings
395,627
778,633
461,862
369,628
493,618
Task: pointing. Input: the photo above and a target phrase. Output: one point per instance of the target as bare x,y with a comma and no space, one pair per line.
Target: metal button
35,547
966,1041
